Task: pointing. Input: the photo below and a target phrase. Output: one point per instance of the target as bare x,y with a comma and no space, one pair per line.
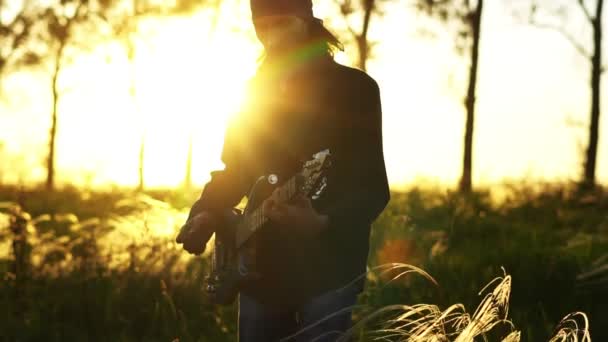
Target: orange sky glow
532,88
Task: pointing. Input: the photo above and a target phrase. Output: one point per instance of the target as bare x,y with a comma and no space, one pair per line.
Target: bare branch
579,48
586,11
344,17
368,8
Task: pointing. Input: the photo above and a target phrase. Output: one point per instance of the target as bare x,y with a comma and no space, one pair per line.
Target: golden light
188,83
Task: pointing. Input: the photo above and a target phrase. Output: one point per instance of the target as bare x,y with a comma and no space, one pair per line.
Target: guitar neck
282,194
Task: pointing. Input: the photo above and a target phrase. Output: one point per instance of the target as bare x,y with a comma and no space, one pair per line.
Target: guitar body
231,266
234,258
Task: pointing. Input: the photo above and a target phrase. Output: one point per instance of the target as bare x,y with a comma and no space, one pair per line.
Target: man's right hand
195,233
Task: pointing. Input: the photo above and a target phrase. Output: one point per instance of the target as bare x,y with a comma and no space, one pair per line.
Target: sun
188,84
201,83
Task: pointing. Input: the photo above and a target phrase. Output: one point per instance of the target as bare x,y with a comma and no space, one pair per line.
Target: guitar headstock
313,176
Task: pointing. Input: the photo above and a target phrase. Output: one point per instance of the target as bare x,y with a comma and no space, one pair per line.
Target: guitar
233,260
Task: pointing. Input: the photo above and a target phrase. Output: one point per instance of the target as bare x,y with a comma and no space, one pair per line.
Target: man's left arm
363,184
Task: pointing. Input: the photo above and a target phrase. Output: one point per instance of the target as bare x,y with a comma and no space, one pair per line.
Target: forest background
112,115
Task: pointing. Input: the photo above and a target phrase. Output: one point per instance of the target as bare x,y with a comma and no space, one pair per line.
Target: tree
215,8
126,29
465,16
365,8
593,18
61,19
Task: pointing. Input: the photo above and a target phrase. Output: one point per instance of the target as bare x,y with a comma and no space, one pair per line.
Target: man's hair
319,34
319,42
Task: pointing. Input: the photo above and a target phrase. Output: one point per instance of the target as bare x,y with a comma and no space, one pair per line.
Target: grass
427,322
544,237
102,266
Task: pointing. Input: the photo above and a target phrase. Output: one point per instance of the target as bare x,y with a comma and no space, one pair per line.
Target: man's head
270,8
281,32
282,25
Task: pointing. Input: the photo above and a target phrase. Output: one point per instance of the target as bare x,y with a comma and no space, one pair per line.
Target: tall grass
118,277
428,323
551,239
103,266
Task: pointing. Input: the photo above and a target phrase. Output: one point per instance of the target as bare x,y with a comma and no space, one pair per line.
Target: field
102,266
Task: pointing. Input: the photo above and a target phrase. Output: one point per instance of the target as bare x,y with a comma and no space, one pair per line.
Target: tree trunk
596,75
50,177
212,30
131,49
466,179
142,153
188,178
362,43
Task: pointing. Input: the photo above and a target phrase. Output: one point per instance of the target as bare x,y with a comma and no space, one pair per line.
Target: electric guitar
233,260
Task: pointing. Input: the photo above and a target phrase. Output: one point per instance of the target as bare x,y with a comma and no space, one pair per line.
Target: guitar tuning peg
273,179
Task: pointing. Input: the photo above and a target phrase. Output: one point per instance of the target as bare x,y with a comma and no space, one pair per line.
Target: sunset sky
532,108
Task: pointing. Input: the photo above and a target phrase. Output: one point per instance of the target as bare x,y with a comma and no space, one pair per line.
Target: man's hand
299,216
195,233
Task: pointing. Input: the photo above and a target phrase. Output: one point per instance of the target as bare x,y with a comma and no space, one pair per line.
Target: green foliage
17,31
81,287
543,237
98,271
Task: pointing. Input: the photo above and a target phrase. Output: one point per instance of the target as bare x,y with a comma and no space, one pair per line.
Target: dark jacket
288,118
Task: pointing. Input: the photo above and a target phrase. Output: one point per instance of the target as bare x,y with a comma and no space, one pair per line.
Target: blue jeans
302,324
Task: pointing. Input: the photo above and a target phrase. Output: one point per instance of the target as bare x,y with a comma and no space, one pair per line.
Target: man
300,102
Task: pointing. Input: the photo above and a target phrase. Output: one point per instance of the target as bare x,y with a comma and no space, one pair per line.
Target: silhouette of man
300,102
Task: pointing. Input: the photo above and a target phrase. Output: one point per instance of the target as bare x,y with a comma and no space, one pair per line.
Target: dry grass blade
391,267
403,269
427,323
514,336
343,311
569,330
492,311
